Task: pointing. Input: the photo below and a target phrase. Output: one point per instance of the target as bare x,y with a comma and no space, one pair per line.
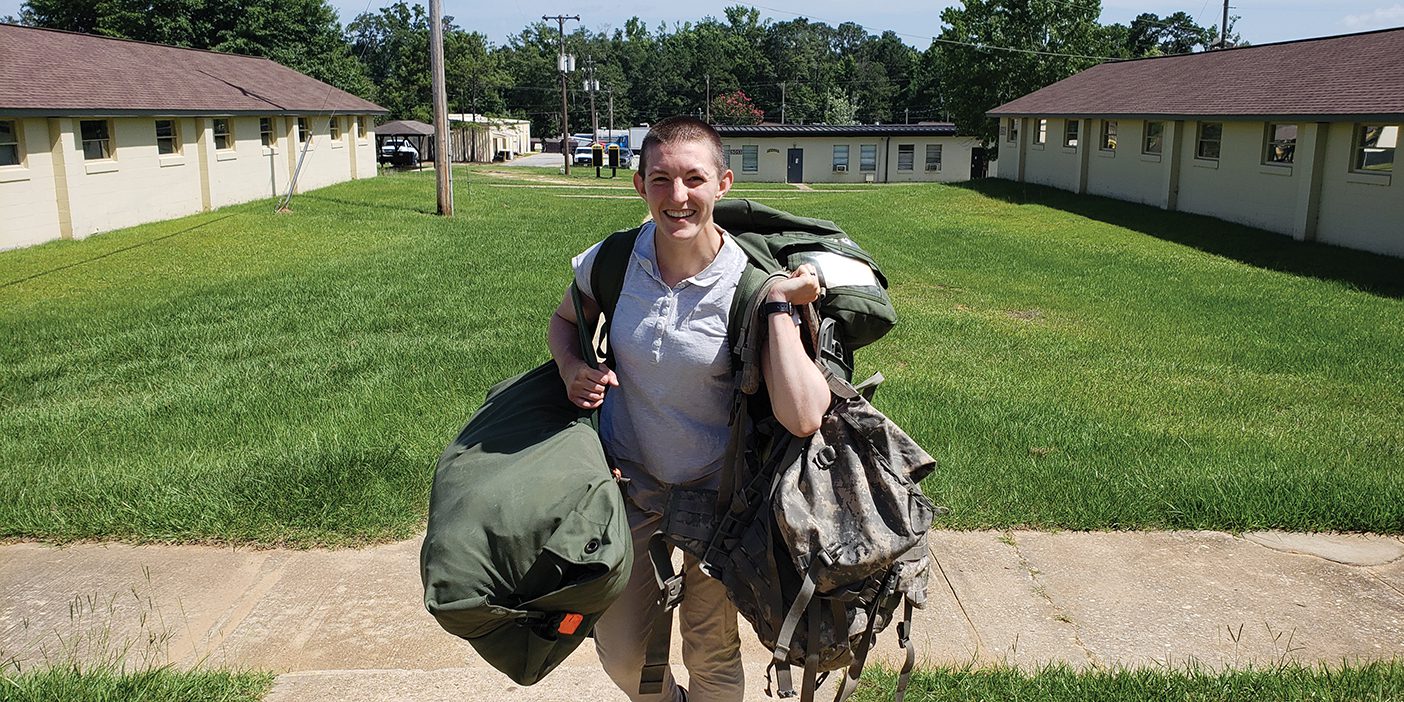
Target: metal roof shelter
407,129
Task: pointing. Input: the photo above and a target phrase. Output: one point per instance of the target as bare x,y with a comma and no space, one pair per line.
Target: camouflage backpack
818,540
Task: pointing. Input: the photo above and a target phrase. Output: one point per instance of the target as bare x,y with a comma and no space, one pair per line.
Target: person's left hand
801,288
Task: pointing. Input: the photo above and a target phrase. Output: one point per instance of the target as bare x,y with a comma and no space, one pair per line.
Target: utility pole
443,160
782,102
592,86
565,64
709,98
1223,28
908,112
611,113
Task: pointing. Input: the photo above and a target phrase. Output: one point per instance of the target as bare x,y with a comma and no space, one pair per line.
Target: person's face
680,187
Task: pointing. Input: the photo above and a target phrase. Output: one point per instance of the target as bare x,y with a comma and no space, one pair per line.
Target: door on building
794,171
979,163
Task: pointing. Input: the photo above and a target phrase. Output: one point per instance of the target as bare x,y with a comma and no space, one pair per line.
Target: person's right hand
586,387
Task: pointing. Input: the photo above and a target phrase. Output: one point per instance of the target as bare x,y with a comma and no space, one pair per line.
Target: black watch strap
770,308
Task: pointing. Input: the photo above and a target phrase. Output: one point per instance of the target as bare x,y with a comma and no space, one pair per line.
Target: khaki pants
711,647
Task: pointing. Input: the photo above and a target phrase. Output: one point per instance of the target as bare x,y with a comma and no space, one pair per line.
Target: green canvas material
526,525
773,240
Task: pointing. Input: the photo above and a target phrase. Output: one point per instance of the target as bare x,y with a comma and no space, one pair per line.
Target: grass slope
1073,362
70,684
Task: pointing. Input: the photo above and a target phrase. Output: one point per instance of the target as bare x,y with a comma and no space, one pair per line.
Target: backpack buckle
672,592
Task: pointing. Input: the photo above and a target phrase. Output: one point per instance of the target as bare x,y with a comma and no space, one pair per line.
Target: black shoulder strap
607,278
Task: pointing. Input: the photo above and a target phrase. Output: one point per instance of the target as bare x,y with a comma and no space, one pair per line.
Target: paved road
349,624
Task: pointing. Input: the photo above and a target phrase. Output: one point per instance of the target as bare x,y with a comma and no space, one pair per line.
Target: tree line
736,68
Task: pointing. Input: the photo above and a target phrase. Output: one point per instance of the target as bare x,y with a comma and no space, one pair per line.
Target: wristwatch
770,308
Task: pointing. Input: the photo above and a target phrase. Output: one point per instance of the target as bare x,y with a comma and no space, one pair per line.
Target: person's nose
679,194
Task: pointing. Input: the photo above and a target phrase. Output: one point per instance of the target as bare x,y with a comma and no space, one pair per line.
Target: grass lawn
1372,682
68,684
1074,363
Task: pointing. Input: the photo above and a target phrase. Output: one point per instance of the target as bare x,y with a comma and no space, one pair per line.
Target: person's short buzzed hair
680,129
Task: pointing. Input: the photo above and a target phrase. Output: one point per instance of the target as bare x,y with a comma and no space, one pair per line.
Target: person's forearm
563,339
799,395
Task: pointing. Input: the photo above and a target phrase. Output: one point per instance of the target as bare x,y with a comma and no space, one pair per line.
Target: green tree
1051,40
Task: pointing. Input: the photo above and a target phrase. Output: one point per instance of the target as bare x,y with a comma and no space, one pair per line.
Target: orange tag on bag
569,623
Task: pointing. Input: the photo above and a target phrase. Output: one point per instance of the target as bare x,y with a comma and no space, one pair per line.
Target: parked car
584,155
399,152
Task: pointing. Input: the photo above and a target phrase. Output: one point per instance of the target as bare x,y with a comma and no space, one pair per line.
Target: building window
1281,144
933,157
223,137
1108,135
1013,130
1155,135
867,157
1375,145
334,128
906,155
265,131
841,158
1041,136
750,158
167,137
304,130
1211,134
364,123
1070,133
95,137
10,154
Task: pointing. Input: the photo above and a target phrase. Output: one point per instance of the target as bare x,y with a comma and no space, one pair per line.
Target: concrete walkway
349,625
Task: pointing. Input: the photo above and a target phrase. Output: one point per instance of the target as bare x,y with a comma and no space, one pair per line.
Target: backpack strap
607,278
670,593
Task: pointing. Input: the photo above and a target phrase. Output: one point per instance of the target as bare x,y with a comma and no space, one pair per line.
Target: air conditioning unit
868,178
840,168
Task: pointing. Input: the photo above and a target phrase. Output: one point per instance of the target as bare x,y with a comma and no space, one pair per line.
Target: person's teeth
678,213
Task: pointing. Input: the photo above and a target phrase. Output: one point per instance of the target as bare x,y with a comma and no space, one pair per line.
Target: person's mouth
679,215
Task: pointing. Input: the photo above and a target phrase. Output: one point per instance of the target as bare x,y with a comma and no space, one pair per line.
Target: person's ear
724,186
639,183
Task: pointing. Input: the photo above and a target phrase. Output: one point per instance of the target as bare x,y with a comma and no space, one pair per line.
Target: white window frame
750,158
1013,133
304,130
933,165
1273,146
1200,140
363,127
1146,138
841,158
1109,132
268,137
907,152
1358,148
867,158
109,149
1041,133
16,140
227,135
334,128
1072,129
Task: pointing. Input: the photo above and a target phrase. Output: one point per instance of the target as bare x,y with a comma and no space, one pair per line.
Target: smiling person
665,404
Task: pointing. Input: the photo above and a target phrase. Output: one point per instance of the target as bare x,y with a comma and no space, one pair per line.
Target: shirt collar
726,260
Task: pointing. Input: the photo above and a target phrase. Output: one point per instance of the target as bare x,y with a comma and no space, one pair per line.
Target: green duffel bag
528,542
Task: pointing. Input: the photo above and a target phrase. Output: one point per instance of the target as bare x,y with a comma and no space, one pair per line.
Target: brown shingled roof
1354,76
44,72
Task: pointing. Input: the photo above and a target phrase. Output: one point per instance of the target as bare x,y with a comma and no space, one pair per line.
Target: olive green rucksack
528,542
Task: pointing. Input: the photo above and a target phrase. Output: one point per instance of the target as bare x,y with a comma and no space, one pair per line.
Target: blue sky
1262,21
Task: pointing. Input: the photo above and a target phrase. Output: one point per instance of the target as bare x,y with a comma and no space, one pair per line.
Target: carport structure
405,129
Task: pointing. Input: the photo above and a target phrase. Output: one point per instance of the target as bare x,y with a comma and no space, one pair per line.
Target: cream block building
1308,157
848,154
76,160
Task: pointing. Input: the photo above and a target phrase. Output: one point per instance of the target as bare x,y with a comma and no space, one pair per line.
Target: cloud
1381,18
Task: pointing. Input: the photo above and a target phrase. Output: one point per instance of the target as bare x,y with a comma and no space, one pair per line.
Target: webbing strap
670,593
787,631
904,637
811,656
860,657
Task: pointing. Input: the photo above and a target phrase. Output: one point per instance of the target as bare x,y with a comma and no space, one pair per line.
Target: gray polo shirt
669,413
